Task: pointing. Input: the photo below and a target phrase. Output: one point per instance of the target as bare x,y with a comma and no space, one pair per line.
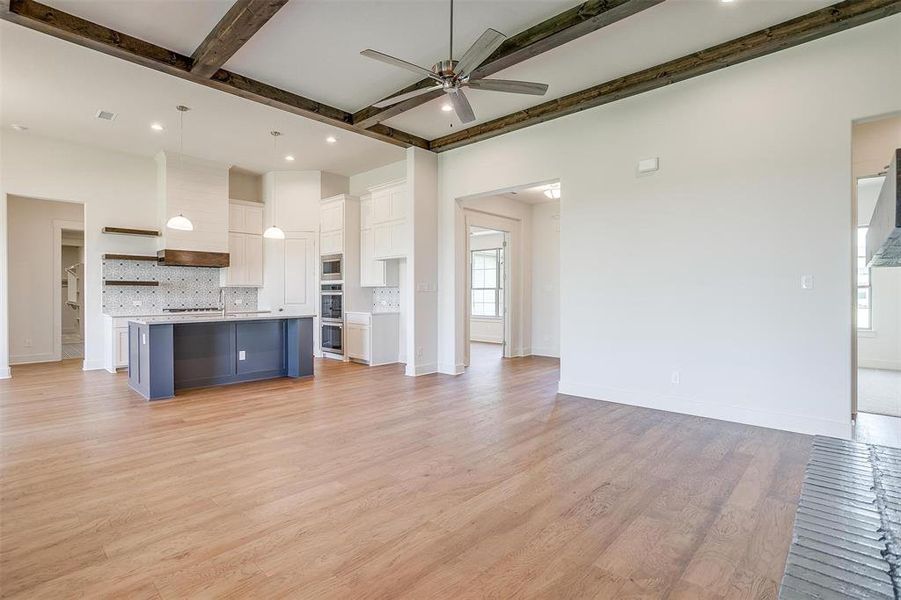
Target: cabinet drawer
358,318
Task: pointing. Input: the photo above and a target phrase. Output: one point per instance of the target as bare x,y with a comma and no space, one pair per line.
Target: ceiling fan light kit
452,76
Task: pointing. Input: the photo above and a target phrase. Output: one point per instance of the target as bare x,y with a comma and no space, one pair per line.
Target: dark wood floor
363,483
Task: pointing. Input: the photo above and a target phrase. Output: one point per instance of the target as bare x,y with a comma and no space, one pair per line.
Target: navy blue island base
168,354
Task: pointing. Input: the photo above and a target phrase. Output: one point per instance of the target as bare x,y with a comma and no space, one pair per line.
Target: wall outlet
675,377
28,342
419,352
136,303
242,355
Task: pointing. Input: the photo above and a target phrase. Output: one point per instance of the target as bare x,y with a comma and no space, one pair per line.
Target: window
864,291
487,282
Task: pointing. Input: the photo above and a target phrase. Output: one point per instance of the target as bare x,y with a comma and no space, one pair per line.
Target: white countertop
215,318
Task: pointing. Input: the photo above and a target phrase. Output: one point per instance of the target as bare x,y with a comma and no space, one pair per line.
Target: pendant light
181,222
273,232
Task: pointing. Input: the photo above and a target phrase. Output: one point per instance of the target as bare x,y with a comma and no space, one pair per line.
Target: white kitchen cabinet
331,242
372,338
115,337
245,261
245,246
388,217
331,216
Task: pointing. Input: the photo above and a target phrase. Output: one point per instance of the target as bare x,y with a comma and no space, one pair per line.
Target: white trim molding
5,373
423,369
886,365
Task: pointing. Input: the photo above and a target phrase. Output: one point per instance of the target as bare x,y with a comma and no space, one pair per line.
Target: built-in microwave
331,268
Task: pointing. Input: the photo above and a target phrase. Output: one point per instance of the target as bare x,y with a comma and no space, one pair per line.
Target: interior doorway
71,294
488,275
509,265
876,404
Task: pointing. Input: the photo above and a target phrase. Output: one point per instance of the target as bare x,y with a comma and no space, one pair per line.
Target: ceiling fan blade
509,85
487,43
401,97
462,106
385,58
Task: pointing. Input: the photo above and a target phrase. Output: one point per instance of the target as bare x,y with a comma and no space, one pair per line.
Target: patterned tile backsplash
385,299
180,287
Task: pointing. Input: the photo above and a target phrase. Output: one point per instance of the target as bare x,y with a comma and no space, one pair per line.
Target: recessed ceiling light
446,107
18,127
289,158
331,139
726,1
156,127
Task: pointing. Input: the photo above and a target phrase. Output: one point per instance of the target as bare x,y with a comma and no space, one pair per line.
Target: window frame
498,287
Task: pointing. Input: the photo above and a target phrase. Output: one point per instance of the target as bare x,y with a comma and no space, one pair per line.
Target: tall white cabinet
245,245
390,230
374,272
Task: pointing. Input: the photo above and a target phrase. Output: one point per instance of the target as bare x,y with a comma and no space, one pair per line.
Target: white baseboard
92,365
451,369
888,365
540,351
5,373
422,369
806,424
27,359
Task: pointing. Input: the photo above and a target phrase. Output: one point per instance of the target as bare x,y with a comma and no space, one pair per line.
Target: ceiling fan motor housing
445,68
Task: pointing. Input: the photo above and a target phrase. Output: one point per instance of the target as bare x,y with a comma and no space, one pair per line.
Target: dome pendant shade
180,222
274,233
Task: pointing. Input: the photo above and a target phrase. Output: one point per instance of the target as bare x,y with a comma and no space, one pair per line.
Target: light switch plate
648,165
241,355
806,282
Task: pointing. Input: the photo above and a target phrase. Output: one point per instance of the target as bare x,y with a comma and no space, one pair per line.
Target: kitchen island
169,353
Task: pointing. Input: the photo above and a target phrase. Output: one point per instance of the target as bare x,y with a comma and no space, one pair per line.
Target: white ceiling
311,47
55,88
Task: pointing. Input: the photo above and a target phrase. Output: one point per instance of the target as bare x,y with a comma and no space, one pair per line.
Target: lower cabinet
372,338
115,337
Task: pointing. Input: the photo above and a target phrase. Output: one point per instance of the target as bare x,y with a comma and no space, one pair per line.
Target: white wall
34,281
244,185
873,144
697,267
116,189
546,278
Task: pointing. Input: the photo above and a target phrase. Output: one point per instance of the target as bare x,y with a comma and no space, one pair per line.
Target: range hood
197,189
191,258
884,234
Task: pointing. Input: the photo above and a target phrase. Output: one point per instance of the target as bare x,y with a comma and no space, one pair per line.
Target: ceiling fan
453,75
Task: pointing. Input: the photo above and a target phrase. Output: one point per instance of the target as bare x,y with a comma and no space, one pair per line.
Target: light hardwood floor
363,483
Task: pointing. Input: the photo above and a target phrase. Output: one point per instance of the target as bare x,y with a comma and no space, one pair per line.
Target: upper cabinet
389,221
245,217
331,225
245,245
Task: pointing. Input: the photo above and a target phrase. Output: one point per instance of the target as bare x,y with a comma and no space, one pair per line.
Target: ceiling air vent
105,115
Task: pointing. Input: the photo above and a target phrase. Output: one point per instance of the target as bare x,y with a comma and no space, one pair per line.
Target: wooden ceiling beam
238,25
547,35
71,28
812,26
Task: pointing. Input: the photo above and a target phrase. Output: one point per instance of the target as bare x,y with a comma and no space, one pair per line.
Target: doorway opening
510,270
876,404
46,288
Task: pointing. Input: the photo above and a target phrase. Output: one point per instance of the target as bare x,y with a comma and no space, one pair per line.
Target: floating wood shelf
127,231
129,257
123,282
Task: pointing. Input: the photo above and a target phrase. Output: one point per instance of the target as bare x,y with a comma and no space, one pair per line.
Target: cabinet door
331,216
235,217
253,260
331,242
237,265
300,273
381,209
253,220
356,341
121,347
372,271
390,240
397,203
